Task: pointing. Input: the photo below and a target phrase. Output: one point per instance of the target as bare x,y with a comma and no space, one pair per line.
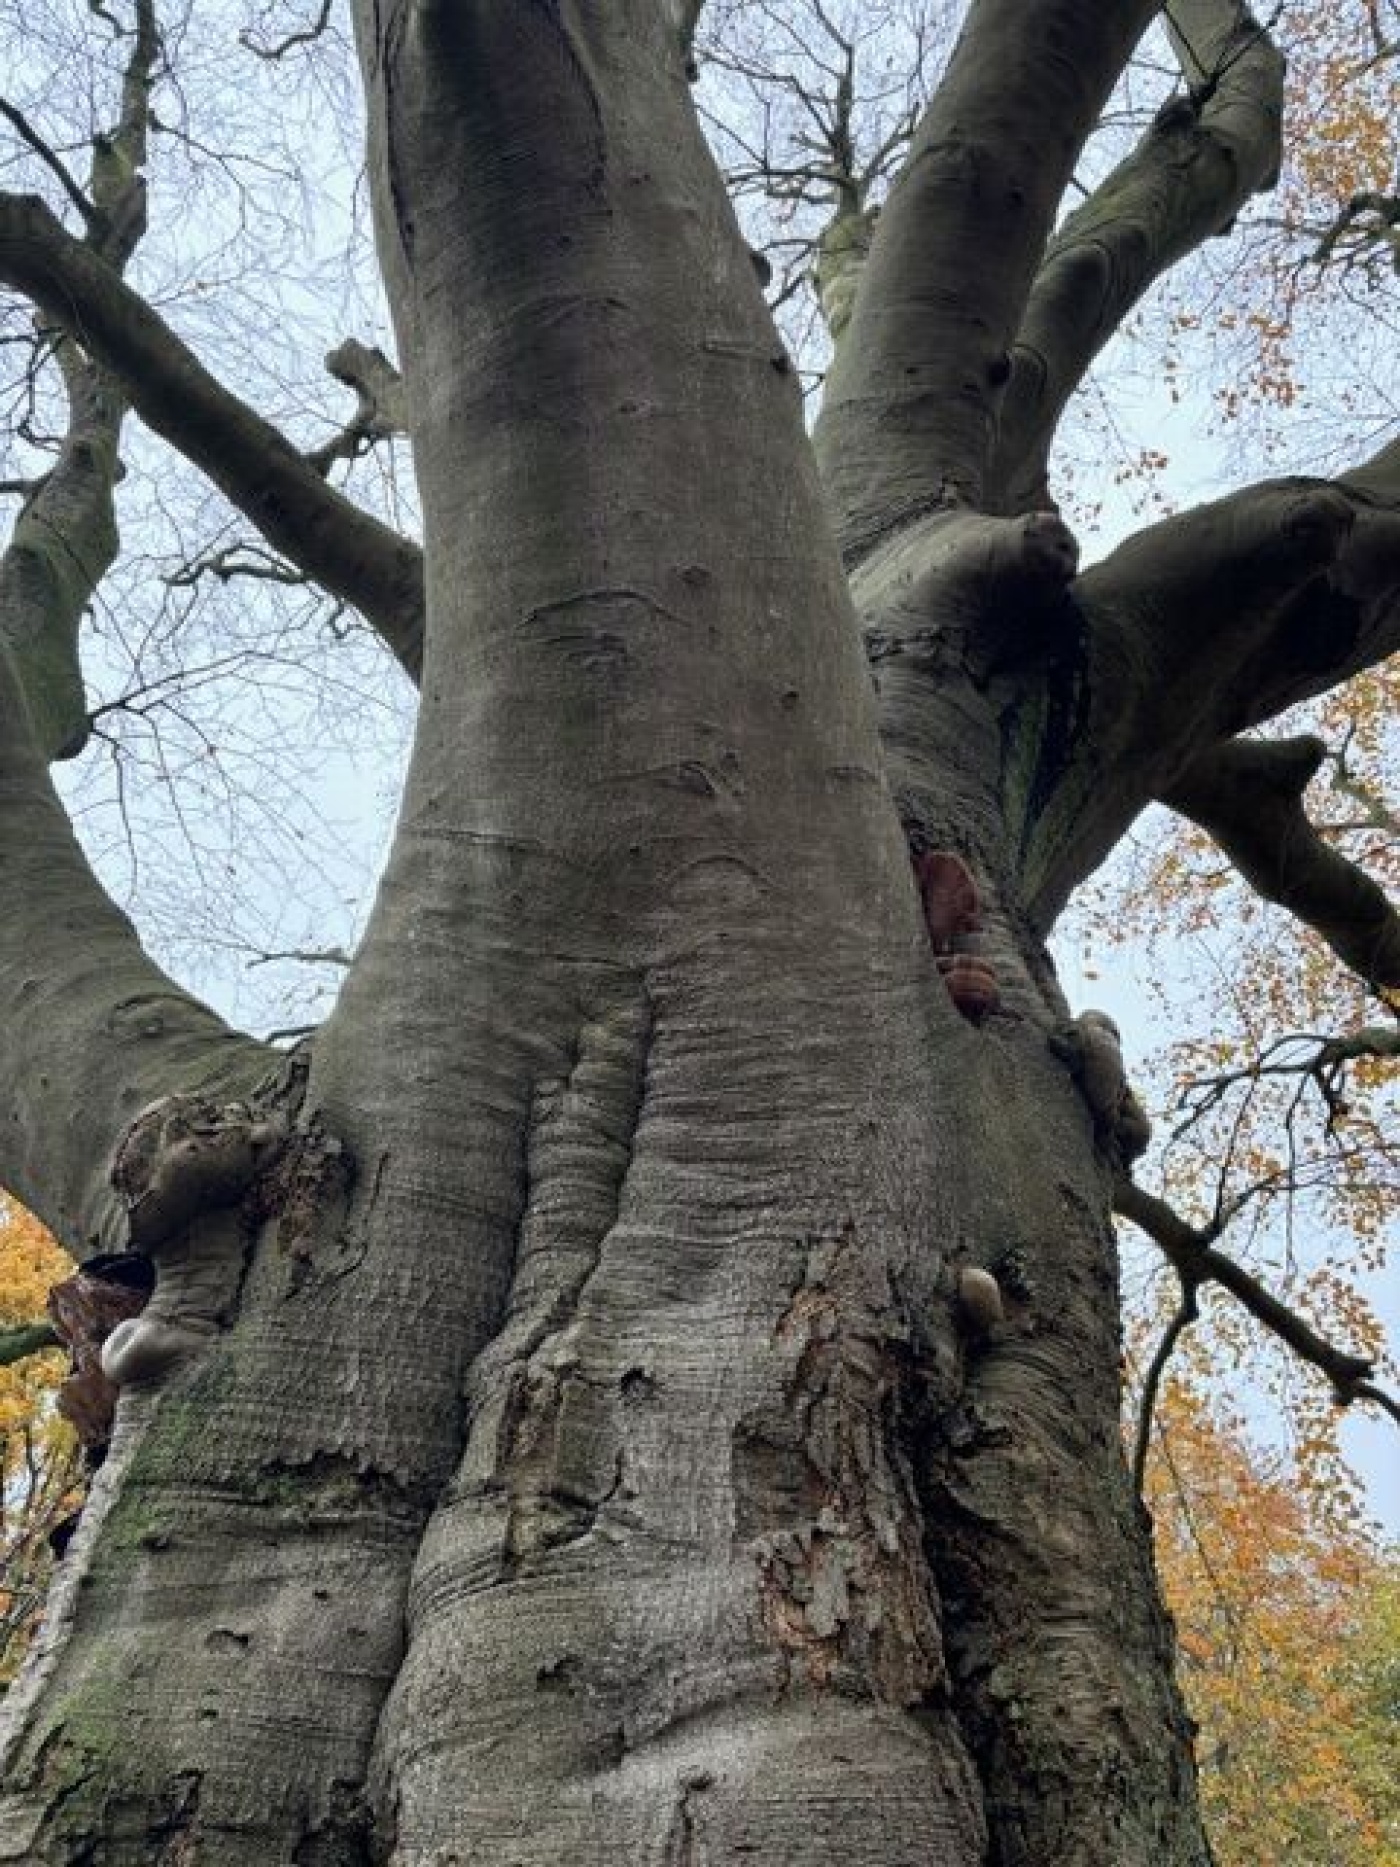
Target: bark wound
685,1844
824,1496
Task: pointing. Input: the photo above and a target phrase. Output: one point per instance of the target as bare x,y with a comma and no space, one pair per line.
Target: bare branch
280,47
1193,1256
1204,155
382,399
306,956
236,560
1186,1313
910,411
1248,795
1322,1063
51,160
348,552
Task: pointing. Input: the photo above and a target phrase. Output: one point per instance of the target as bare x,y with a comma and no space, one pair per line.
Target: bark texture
560,1431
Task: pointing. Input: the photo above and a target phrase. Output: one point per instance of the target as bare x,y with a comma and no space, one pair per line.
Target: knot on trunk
186,1171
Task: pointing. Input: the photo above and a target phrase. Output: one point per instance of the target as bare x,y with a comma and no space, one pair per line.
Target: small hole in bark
225,1640
636,1384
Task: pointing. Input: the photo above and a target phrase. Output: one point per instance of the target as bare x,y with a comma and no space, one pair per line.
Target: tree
1285,1622
565,1427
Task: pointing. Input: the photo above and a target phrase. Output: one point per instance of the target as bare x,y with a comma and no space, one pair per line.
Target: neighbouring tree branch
1193,1256
1324,1063
25,1339
1205,153
1248,795
346,550
909,416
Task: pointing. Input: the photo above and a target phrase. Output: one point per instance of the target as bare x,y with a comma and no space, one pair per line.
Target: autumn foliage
39,1463
1288,1621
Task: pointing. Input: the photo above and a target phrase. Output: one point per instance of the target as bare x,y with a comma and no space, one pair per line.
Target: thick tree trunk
599,1466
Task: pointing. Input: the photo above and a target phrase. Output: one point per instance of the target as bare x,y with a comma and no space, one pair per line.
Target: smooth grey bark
1206,152
909,413
589,1460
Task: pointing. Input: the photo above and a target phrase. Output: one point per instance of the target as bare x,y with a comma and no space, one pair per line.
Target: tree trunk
589,1457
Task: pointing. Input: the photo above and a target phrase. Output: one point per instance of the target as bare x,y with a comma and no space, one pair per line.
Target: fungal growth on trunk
183,1171
1092,1049
953,915
86,1310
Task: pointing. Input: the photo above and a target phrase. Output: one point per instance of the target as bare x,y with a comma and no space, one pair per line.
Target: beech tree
641,1382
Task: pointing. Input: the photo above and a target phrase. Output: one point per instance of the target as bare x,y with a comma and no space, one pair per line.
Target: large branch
345,550
1196,630
63,542
1244,607
91,1031
1248,795
1202,158
911,401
